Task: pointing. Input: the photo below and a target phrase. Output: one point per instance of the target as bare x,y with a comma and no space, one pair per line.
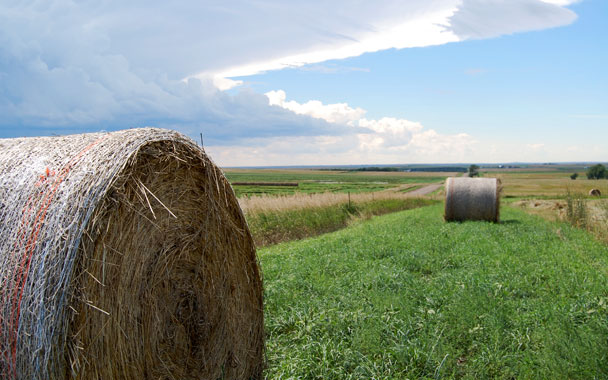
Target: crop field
321,195
553,195
408,296
543,181
544,184
318,181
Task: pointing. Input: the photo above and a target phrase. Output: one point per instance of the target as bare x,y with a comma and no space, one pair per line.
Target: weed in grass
591,215
604,208
576,211
599,221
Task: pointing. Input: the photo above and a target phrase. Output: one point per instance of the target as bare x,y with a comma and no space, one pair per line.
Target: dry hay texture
124,255
472,199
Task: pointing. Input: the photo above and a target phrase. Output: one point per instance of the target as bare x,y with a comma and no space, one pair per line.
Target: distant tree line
439,169
597,172
376,169
401,169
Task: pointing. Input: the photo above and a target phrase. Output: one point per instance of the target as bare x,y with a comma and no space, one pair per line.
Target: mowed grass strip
407,295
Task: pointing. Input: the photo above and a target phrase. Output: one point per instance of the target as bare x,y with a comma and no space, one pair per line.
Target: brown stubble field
548,184
554,196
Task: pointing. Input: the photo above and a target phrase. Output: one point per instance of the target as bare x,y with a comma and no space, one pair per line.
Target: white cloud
225,83
561,3
478,19
75,66
333,68
413,24
384,141
340,113
389,133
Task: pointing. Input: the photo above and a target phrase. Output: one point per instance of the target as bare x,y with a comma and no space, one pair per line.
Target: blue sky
271,83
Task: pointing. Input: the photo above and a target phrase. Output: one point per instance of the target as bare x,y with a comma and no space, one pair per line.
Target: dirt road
424,190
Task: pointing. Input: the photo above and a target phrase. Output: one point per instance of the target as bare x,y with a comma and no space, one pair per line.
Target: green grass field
314,181
406,295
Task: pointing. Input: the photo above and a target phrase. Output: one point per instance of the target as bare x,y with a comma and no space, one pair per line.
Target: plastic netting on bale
124,255
472,199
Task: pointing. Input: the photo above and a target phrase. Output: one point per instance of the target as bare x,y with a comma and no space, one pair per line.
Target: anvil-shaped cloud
74,66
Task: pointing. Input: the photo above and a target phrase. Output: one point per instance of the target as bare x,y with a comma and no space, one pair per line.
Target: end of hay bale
472,199
595,193
142,267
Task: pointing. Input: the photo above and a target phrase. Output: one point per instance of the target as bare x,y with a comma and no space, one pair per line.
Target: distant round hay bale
595,192
124,255
472,199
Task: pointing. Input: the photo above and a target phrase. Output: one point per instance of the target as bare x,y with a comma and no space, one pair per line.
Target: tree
574,176
597,172
473,171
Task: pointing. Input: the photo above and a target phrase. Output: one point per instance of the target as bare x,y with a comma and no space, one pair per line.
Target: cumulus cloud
384,141
388,133
340,113
429,146
74,66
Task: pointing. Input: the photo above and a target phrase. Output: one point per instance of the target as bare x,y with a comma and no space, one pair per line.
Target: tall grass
576,211
591,215
298,201
283,219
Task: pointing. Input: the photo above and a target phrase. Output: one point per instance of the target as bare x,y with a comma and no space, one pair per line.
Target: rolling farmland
408,295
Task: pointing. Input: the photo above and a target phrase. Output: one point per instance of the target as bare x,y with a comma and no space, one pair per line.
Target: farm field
544,183
319,203
321,181
553,195
407,295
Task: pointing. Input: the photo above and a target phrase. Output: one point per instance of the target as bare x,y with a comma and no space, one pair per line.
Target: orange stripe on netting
30,206
22,269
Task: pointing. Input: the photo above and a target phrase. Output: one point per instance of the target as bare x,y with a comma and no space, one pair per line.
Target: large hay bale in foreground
472,199
124,255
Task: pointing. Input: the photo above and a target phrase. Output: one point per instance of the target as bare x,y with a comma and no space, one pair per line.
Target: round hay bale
595,193
124,255
472,199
